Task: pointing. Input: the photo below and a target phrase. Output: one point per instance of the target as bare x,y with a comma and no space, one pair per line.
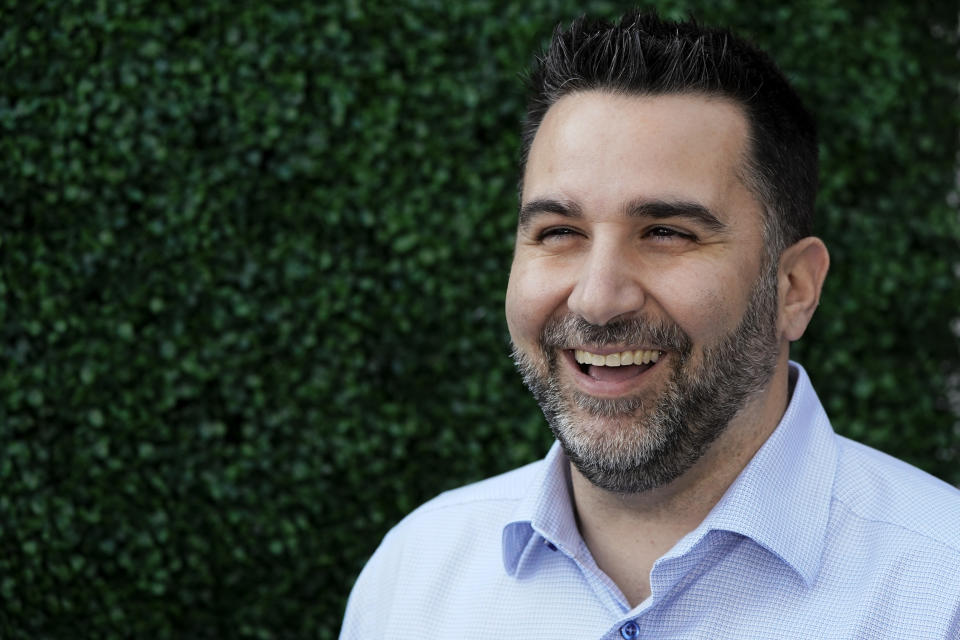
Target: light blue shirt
819,537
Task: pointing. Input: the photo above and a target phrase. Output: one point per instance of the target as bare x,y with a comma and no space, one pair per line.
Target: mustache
571,330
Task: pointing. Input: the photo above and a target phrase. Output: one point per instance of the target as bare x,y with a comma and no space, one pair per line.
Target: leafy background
252,263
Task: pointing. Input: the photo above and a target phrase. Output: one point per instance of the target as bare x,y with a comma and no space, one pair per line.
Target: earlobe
803,268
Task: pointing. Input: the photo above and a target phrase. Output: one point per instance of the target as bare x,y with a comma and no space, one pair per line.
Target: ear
803,268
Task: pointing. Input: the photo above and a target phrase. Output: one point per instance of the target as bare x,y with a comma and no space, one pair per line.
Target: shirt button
630,631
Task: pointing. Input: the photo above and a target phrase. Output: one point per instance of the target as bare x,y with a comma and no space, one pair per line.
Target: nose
608,286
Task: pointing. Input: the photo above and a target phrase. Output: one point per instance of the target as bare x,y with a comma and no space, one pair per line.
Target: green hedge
253,263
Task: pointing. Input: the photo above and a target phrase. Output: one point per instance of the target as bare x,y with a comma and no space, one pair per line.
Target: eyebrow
661,209
541,206
656,209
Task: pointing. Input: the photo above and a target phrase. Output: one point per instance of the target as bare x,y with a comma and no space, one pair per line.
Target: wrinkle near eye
556,232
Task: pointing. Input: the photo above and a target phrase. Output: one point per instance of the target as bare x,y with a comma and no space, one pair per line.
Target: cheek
702,302
533,296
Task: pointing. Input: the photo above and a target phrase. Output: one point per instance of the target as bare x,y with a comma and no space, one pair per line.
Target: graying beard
668,438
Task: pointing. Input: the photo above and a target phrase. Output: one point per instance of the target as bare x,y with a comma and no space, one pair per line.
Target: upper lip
605,351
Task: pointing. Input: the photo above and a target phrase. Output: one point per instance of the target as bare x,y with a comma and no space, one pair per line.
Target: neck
627,533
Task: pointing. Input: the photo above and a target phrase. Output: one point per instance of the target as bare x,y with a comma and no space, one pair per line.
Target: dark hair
645,55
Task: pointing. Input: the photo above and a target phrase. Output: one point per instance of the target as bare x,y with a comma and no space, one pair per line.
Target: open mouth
615,367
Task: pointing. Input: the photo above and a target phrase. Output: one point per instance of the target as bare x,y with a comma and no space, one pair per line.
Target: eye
667,233
555,233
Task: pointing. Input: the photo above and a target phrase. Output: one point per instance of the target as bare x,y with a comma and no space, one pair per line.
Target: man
663,264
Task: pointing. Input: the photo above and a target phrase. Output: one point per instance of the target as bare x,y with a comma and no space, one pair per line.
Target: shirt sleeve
370,599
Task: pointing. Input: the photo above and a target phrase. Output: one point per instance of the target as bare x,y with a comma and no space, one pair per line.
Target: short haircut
644,55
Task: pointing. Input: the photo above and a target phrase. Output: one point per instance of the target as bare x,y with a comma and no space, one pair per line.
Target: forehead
601,150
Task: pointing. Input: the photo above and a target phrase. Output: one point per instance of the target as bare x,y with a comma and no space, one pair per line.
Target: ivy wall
252,267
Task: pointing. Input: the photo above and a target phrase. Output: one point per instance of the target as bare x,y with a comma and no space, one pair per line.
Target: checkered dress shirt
819,537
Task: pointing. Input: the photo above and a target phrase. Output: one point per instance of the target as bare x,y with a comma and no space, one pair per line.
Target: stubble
635,444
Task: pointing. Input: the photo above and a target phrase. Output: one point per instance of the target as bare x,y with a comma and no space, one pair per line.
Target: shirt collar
781,500
544,515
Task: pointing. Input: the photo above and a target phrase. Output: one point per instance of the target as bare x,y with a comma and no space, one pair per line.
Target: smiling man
663,265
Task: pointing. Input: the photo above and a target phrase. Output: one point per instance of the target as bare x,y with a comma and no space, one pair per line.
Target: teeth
639,356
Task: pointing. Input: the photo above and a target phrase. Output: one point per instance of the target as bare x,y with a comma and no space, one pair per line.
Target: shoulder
463,517
467,517
881,489
450,545
496,492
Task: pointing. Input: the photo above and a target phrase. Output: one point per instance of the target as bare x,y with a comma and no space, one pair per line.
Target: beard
638,443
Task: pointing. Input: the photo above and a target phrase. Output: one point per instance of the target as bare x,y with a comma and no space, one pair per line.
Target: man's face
640,246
